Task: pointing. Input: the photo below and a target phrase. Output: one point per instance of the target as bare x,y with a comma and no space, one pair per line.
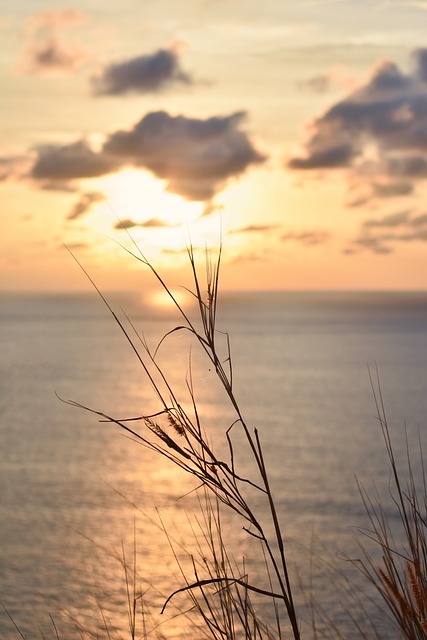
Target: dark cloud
152,223
84,203
385,119
307,238
144,74
407,165
340,155
71,162
194,156
382,235
420,56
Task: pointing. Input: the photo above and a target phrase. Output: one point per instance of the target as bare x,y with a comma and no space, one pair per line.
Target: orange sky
298,129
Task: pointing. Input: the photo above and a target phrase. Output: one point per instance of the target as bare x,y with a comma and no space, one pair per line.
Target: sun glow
137,196
162,300
163,223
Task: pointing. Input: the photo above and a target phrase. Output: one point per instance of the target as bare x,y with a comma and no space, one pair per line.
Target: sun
165,223
137,196
139,211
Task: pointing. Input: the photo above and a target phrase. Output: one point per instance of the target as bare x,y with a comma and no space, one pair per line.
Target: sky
293,132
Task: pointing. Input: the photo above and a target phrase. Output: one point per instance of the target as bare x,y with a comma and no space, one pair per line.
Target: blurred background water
76,493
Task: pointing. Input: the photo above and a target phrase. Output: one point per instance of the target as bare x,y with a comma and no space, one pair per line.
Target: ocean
78,496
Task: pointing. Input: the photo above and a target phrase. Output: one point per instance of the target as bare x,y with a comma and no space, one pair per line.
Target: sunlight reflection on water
76,489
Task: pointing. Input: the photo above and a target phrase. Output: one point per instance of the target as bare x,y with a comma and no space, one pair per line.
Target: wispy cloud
382,235
152,223
306,238
384,189
335,77
255,228
84,203
13,166
387,222
74,245
143,74
48,50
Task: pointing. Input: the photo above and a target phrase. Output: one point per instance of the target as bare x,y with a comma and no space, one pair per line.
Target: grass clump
176,431
400,577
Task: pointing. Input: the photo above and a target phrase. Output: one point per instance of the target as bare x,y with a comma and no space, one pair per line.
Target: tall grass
400,576
177,432
219,587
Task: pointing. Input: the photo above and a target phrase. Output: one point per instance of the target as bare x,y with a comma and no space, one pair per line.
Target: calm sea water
76,496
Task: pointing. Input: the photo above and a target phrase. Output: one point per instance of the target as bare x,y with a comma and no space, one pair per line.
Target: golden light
163,224
162,300
136,195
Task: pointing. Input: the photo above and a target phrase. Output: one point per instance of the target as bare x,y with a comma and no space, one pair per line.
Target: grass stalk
181,438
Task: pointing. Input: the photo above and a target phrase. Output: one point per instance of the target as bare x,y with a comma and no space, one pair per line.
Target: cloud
84,203
381,235
70,162
254,228
195,157
53,56
410,165
392,221
336,76
307,238
152,223
378,130
380,190
65,187
248,257
318,84
339,155
143,74
11,166
46,51
375,245
392,189
74,245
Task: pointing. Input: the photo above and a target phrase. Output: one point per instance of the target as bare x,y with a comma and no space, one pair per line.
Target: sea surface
79,499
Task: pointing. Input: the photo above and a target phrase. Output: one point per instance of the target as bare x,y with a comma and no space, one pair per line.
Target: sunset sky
299,128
